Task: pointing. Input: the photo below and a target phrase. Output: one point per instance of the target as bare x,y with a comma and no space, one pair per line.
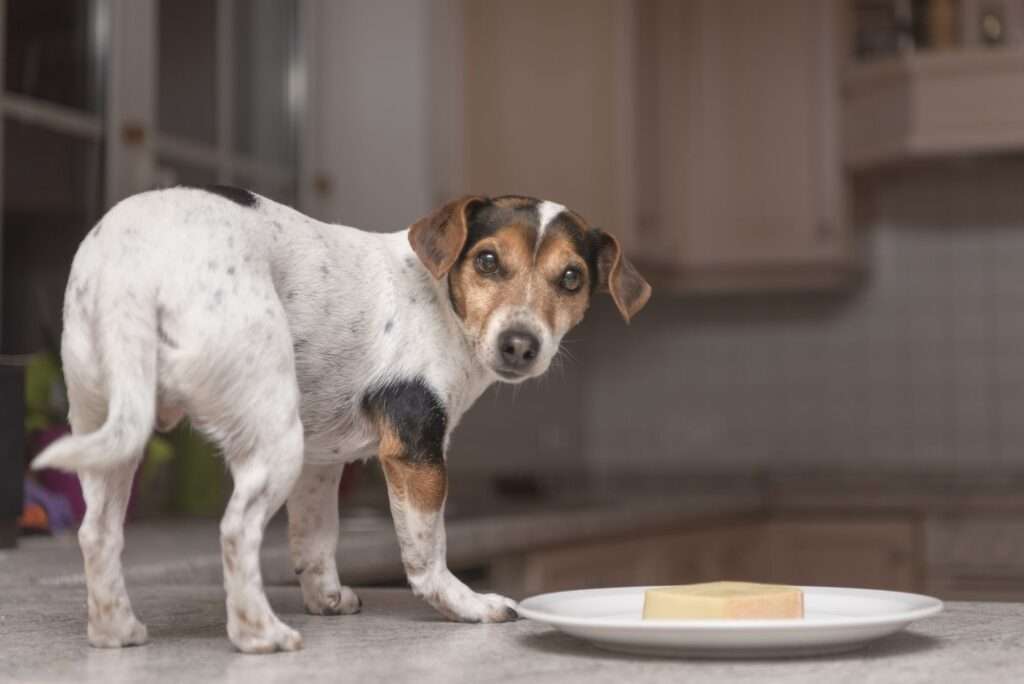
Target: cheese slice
723,600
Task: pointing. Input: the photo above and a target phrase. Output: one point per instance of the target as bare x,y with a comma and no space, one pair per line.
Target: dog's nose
518,349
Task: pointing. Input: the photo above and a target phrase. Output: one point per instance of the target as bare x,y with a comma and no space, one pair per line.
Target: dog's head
521,273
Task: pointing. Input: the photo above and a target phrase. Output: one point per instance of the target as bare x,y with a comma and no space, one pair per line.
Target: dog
297,347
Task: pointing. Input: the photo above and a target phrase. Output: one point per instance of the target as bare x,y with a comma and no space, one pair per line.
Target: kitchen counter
397,639
187,551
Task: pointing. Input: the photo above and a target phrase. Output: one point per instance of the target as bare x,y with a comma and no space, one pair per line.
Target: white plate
836,620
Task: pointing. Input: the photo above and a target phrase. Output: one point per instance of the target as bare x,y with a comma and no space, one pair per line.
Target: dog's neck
478,377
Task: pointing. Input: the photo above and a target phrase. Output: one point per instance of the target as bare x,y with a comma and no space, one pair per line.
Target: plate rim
933,607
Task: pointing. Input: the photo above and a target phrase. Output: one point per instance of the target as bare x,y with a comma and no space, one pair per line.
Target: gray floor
398,639
174,583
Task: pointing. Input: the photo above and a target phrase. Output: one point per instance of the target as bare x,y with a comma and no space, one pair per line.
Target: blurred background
827,195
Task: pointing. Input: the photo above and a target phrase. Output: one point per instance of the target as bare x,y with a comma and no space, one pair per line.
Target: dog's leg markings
112,623
313,538
412,425
262,477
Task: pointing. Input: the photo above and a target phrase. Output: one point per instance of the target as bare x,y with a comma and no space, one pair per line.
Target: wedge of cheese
723,600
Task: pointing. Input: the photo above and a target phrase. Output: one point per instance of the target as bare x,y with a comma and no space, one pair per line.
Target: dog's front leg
417,488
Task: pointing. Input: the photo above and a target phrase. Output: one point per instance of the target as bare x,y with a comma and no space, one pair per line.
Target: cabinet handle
133,133
322,184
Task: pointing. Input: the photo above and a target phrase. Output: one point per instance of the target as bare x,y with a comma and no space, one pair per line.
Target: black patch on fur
596,239
415,413
565,224
586,243
388,326
239,196
485,219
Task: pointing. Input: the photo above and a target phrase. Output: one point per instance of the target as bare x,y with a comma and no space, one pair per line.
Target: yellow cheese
723,600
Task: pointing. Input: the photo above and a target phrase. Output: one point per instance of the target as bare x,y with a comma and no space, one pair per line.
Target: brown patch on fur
104,611
253,625
423,485
437,239
230,551
559,308
477,296
521,280
628,288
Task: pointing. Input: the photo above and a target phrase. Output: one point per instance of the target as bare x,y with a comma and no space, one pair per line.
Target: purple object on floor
67,484
58,510
57,481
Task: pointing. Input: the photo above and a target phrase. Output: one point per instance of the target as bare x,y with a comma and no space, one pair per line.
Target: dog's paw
494,608
265,637
116,634
340,601
472,607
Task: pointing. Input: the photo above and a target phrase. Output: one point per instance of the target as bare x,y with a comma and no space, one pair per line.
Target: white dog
299,346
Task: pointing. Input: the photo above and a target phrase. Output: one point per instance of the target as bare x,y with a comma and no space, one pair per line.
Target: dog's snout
518,348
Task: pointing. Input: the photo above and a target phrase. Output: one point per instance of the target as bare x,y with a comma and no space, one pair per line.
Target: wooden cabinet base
8,533
858,551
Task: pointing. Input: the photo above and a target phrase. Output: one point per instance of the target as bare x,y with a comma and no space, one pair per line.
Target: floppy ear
615,274
438,238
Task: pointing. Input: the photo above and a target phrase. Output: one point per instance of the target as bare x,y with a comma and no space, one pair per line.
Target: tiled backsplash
921,367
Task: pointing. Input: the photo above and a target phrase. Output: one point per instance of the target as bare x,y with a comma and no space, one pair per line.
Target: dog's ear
439,237
615,274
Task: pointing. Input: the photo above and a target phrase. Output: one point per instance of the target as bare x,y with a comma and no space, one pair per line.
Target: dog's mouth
511,375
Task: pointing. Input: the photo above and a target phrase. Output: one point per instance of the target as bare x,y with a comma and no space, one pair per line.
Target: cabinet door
724,551
738,136
975,557
542,102
882,554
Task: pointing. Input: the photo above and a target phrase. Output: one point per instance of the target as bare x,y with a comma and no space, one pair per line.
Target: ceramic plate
836,620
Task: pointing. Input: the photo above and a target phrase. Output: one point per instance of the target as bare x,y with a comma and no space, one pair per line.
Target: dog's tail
126,353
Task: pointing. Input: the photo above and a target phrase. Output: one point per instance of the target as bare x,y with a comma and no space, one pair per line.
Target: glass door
100,99
52,102
228,94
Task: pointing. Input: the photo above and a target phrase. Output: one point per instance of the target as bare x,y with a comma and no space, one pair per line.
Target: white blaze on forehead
547,211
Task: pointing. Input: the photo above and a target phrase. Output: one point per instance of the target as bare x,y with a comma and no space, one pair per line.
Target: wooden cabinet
542,93
926,105
739,173
879,553
711,553
705,133
975,556
856,551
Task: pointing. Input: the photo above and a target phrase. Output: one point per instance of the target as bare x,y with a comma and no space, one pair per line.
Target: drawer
975,546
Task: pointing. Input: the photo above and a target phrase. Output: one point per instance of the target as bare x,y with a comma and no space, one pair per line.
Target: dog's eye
572,279
486,262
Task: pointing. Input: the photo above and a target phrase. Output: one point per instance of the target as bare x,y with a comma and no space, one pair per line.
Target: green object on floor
44,392
201,481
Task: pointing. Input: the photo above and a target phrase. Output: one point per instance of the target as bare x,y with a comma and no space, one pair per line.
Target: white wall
922,368
373,111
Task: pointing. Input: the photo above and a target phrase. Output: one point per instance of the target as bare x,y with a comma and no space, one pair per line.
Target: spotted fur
298,347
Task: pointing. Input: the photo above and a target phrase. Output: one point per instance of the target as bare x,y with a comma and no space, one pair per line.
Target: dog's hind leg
254,416
313,537
111,382
263,476
112,623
